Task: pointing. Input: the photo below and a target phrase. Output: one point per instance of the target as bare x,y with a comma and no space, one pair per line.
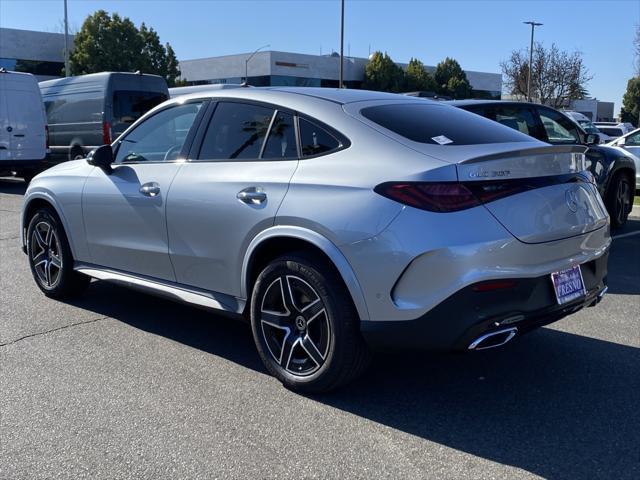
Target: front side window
128,105
440,124
559,128
315,140
236,131
281,143
160,137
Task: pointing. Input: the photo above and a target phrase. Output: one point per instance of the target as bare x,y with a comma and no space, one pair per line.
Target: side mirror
101,157
592,139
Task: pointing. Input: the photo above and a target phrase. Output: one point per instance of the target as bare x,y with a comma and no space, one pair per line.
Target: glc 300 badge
490,174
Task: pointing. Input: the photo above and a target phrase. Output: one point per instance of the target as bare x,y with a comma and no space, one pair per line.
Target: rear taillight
435,197
46,137
454,196
106,133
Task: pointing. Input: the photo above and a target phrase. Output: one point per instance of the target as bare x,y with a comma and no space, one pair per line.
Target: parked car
334,220
586,124
23,125
613,169
614,129
90,110
631,143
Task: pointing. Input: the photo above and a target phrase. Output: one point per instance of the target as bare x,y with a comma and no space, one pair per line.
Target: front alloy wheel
46,254
50,256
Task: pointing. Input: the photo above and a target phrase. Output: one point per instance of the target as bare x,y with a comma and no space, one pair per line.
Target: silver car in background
333,220
631,143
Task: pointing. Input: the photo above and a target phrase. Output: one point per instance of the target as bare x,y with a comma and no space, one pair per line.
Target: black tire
619,200
50,257
76,153
323,345
27,175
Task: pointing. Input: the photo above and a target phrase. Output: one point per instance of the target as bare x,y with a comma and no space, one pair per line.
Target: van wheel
305,325
76,153
27,175
619,200
50,257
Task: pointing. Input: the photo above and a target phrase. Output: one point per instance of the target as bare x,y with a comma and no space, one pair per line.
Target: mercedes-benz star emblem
571,196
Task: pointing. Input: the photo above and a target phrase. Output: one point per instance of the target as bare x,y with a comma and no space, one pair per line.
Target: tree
557,76
382,74
630,111
451,79
417,77
111,43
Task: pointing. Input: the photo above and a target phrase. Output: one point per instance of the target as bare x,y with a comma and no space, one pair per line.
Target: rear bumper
468,314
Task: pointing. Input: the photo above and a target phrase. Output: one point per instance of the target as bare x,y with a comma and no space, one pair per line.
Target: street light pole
533,26
341,82
246,64
66,41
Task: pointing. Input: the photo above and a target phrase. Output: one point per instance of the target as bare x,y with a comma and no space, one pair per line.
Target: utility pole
533,26
66,41
341,82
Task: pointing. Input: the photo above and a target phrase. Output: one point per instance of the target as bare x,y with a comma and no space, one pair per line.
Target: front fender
39,193
321,242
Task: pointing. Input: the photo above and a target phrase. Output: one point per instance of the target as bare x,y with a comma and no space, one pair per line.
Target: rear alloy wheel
50,257
620,198
305,326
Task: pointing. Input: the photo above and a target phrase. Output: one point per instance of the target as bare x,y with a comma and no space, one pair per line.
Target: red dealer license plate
568,284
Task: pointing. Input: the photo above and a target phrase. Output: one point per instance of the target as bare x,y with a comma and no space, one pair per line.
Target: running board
196,297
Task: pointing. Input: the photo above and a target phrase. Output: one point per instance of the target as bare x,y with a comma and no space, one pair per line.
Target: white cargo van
23,125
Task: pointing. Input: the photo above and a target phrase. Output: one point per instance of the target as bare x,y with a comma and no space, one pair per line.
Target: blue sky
479,34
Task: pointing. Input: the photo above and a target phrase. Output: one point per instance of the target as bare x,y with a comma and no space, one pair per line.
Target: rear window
130,105
611,131
440,125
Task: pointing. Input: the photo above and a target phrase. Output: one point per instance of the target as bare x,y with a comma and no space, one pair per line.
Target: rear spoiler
527,163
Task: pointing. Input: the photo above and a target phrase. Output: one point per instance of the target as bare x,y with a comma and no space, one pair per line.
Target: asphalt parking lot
118,384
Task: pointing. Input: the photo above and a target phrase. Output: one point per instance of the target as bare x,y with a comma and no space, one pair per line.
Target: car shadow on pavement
554,404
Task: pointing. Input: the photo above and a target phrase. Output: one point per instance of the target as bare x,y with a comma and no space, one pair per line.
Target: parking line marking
630,234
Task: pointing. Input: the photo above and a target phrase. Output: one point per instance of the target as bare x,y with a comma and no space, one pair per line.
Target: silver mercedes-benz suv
334,220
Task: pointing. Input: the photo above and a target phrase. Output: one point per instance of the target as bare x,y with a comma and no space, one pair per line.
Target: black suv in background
613,169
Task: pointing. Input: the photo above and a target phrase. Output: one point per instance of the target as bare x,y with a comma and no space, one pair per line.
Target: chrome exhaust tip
493,339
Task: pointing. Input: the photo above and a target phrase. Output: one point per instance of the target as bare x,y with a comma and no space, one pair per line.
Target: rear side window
440,125
77,107
315,140
128,106
281,143
236,131
611,131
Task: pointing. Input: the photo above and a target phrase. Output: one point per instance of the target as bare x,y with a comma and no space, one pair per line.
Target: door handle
18,134
252,195
150,189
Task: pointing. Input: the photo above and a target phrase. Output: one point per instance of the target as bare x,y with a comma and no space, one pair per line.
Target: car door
5,134
632,143
124,209
228,191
